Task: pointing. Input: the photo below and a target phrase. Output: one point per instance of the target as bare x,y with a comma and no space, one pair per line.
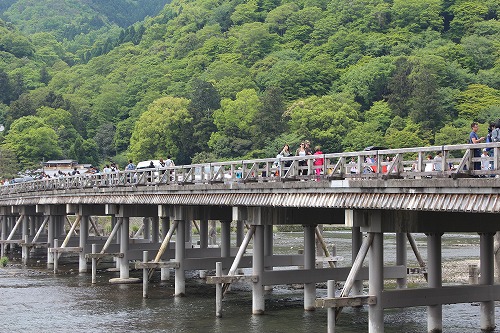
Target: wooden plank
12,241
36,244
342,302
402,298
161,264
232,279
65,249
102,255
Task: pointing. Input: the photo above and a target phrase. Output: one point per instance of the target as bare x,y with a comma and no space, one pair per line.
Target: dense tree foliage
204,79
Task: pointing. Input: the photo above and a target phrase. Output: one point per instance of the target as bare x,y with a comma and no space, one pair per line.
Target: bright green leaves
160,130
323,120
32,140
476,99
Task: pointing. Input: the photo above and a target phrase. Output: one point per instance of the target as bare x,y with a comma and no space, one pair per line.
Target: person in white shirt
437,161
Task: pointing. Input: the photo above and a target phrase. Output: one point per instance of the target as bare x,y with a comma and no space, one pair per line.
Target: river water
33,299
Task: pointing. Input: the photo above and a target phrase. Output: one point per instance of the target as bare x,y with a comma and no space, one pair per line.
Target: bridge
371,192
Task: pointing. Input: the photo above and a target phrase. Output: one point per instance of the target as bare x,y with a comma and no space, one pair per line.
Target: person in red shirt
318,162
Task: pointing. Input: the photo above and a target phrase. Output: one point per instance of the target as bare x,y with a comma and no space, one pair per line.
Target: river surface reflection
33,299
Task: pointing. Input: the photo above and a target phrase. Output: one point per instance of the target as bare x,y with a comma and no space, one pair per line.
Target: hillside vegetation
205,80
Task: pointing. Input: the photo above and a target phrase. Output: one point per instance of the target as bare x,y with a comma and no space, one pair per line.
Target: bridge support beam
164,215
487,277
84,235
3,230
434,312
357,240
124,245
155,230
146,228
401,257
268,249
225,241
180,215
50,238
258,304
309,263
376,283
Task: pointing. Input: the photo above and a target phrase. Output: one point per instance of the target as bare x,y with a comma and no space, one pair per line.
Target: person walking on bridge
473,138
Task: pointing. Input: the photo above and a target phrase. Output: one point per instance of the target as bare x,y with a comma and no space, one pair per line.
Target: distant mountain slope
69,18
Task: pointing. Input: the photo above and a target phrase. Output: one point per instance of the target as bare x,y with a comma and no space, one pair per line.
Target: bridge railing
455,161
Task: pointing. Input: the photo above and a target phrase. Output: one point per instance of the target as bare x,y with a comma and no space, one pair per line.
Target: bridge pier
146,228
180,250
357,240
258,303
268,249
225,241
435,278
309,264
83,238
3,230
155,230
401,257
124,245
376,283
164,216
487,277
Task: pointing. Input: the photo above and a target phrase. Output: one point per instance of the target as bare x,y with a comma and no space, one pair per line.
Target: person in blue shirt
473,138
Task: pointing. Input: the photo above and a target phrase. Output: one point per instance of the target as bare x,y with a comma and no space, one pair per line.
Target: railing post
94,264
56,257
218,291
145,273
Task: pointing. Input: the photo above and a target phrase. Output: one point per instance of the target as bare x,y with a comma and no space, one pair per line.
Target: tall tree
160,131
204,101
32,140
269,121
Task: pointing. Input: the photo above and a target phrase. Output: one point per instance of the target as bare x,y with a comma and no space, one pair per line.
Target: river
33,299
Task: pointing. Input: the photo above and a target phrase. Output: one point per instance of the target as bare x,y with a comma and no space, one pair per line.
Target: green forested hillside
208,80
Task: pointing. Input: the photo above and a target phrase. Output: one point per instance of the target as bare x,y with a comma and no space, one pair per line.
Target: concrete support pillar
124,242
59,229
240,232
146,230
114,221
50,238
268,248
189,233
32,225
155,230
203,234
212,233
434,274
258,304
225,239
3,236
24,226
180,255
496,248
165,226
357,240
84,235
309,263
376,283
401,257
487,277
